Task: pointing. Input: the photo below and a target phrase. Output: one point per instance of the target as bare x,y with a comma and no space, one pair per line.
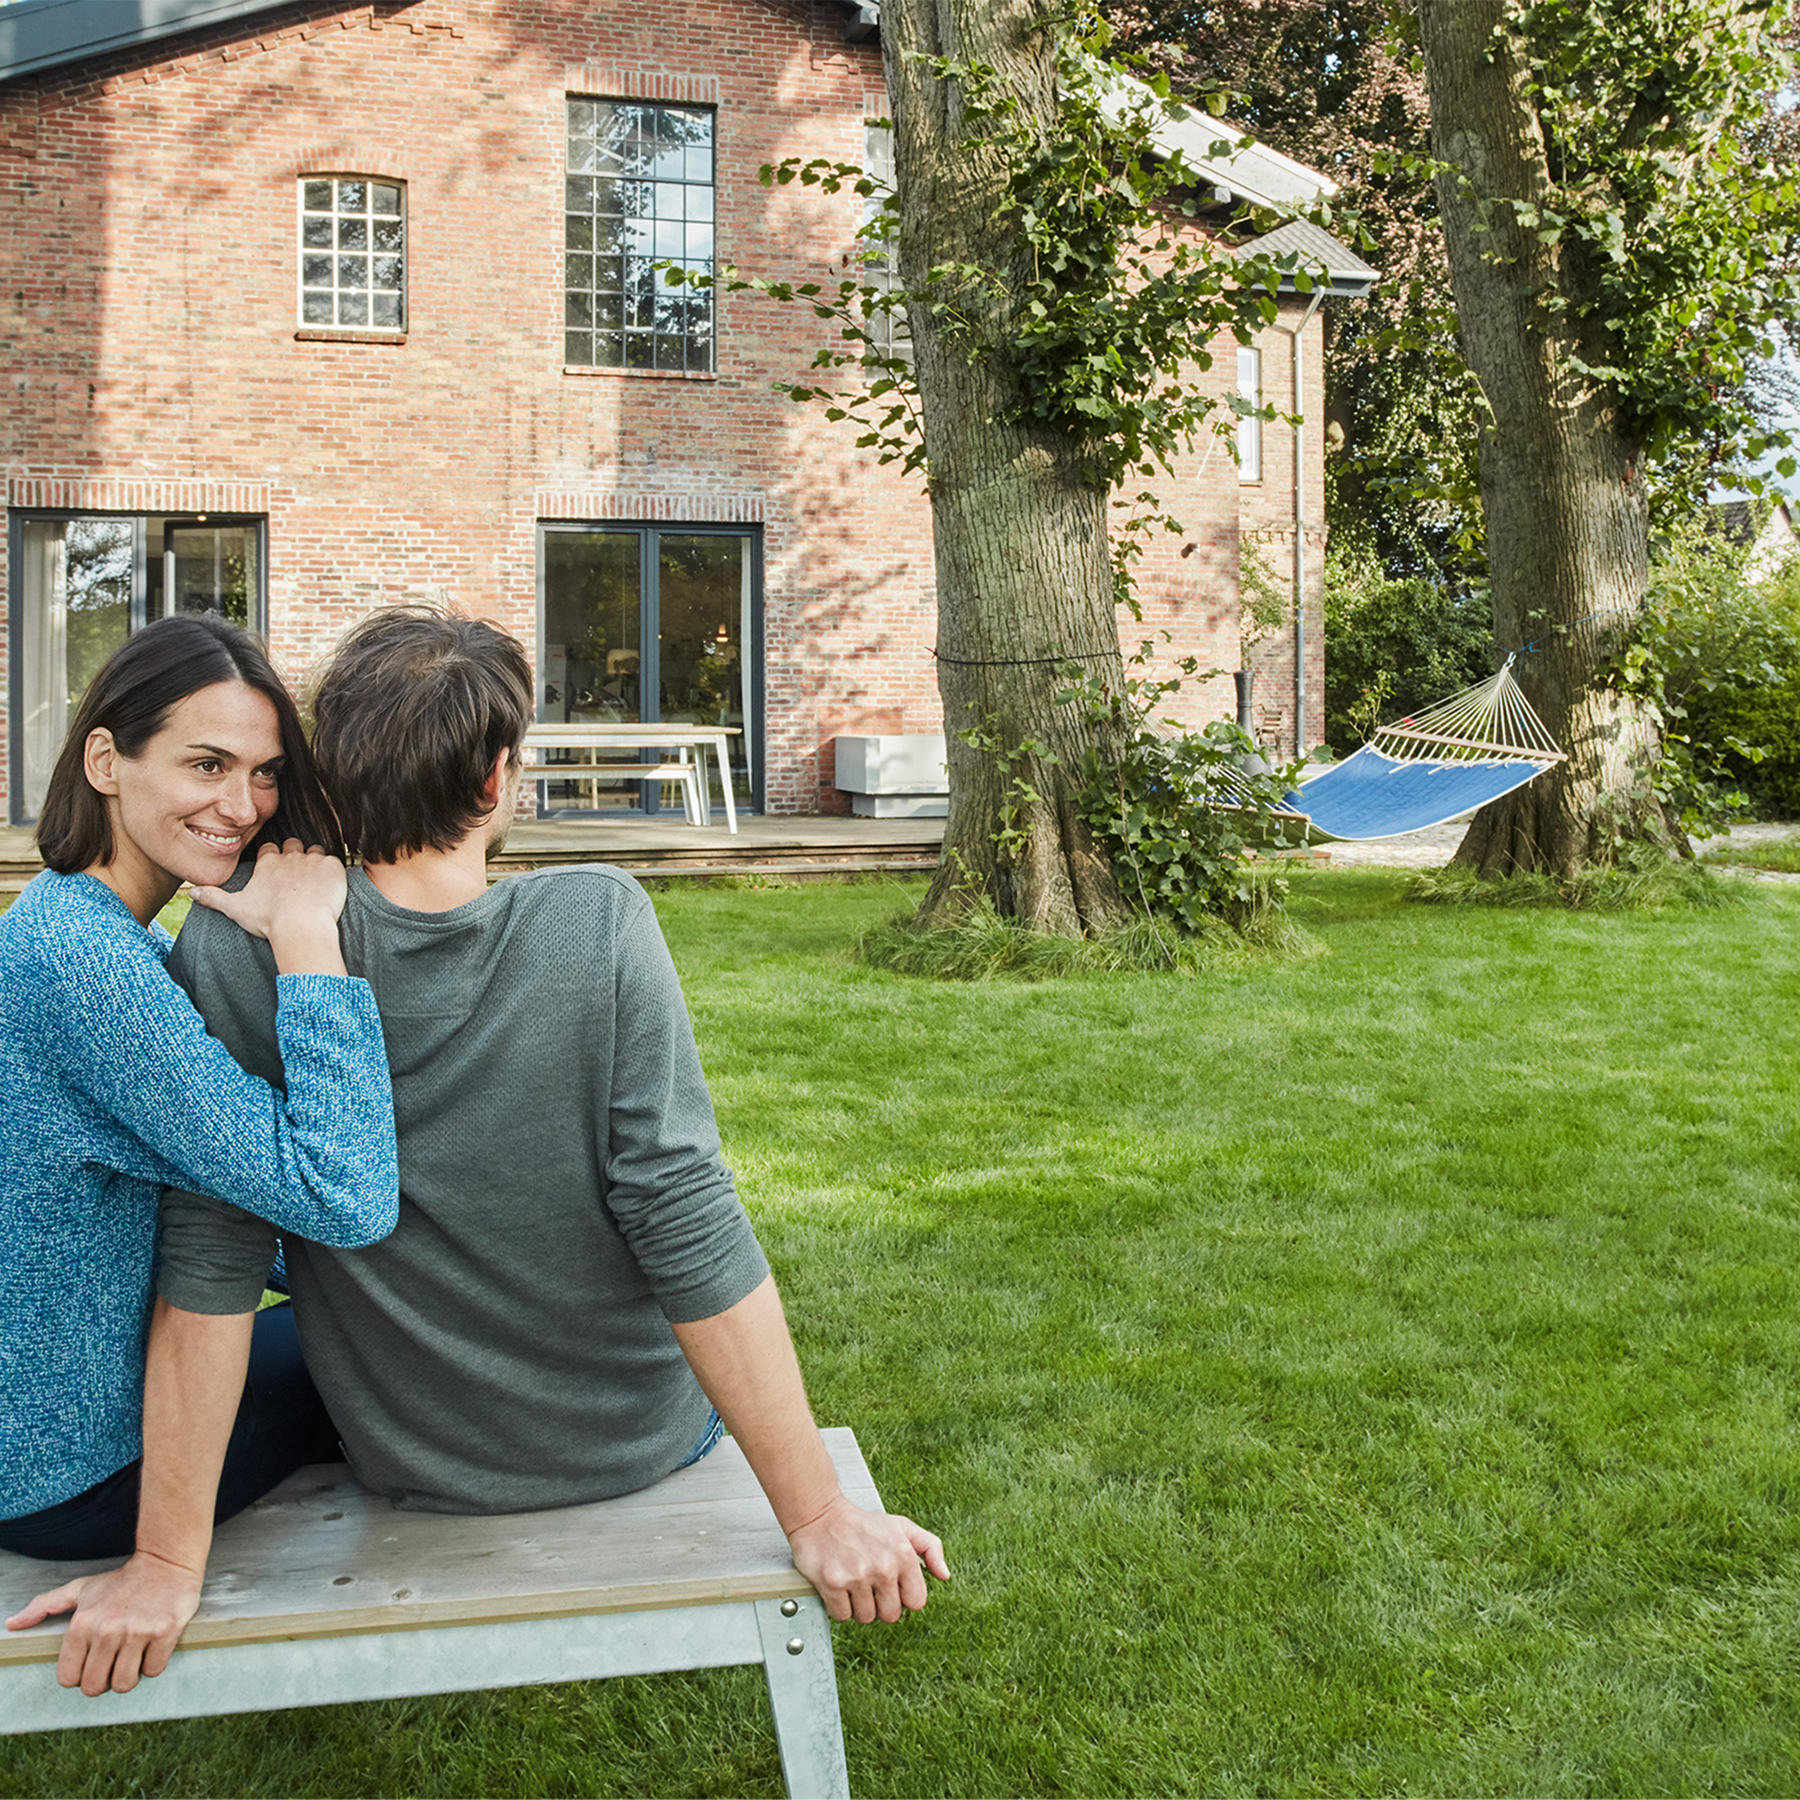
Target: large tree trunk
1024,572
1562,488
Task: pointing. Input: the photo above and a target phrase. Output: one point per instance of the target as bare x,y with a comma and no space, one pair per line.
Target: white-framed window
1249,430
352,252
639,191
890,330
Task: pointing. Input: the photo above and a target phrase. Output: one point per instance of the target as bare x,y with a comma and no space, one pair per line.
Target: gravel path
1432,849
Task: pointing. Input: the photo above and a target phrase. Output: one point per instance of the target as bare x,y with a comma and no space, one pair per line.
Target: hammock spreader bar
1460,754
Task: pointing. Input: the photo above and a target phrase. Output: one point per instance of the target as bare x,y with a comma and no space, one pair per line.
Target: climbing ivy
1179,811
1677,236
1114,296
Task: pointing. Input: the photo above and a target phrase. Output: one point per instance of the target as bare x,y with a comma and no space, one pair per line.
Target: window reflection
640,181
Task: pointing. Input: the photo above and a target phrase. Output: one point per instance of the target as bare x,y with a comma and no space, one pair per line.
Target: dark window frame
649,537
577,299
17,519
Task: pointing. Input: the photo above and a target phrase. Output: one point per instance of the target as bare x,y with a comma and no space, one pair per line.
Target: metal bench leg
722,755
690,798
803,1697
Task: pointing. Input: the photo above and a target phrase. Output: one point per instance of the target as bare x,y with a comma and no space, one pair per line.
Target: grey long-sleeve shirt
562,1199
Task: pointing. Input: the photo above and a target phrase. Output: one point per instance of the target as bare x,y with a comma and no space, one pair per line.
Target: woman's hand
292,899
126,1622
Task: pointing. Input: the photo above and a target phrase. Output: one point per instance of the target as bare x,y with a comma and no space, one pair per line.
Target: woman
186,754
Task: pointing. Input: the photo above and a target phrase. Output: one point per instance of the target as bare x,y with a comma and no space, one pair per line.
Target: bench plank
638,771
321,1556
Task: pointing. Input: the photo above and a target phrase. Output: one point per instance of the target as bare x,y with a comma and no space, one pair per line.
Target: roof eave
864,25
50,34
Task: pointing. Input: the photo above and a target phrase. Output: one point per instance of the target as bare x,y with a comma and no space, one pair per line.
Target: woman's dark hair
407,720
149,675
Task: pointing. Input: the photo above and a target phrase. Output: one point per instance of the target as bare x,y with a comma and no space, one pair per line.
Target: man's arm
864,1564
127,1621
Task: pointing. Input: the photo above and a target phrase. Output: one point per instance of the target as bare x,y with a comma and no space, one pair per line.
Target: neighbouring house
315,307
1769,535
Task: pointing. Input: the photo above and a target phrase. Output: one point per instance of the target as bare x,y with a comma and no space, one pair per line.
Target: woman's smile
187,807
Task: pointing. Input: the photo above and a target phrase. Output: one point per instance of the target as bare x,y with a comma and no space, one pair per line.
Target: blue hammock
1374,795
1466,751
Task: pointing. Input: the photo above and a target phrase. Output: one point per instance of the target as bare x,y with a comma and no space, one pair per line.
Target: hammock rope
1466,751
1490,720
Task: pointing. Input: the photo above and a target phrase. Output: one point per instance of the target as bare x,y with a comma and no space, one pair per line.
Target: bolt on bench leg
796,1641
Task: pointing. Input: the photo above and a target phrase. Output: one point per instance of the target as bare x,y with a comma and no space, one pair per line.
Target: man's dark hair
137,687
408,718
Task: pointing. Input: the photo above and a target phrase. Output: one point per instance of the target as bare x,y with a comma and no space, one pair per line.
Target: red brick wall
1268,512
149,216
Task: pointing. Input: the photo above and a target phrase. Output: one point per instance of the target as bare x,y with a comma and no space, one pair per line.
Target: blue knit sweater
111,1089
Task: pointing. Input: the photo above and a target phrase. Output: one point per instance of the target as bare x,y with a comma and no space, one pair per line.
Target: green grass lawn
1374,1375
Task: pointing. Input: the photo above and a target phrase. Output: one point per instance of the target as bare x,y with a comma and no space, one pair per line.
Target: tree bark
1024,574
1562,487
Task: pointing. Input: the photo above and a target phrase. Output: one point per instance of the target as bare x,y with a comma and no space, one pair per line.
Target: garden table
600,739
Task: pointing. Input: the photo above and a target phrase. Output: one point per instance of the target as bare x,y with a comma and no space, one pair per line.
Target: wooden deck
795,848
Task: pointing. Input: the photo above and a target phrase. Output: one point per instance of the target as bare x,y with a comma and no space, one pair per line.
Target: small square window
353,215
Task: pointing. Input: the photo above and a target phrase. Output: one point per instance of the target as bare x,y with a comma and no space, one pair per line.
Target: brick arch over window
375,157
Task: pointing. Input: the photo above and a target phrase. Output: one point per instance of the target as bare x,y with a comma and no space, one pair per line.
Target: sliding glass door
640,625
82,585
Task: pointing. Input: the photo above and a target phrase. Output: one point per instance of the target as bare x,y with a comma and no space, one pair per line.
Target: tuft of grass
1667,886
1781,854
982,946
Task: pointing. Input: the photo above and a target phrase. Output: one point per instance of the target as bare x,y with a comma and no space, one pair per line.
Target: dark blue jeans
281,1426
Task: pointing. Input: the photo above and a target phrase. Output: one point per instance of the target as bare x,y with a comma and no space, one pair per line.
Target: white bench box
323,1593
899,775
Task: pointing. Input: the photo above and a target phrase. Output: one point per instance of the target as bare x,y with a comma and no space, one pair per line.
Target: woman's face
200,790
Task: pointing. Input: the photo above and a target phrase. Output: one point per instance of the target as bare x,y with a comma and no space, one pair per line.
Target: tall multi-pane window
353,253
640,192
1249,427
889,330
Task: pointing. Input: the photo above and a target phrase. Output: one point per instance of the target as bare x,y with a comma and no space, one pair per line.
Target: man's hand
126,1622
866,1564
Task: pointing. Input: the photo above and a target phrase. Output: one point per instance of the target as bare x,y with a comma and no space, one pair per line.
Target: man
573,1287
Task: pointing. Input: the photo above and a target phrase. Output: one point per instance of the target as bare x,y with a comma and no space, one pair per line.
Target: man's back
562,1197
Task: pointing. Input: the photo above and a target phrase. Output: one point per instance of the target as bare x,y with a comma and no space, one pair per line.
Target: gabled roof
46,34
51,33
1313,250
1237,168
1228,157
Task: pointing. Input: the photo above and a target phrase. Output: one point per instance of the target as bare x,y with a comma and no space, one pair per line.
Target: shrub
1393,647
1178,810
1718,656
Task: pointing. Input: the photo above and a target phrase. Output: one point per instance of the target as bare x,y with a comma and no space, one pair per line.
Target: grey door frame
649,536
17,519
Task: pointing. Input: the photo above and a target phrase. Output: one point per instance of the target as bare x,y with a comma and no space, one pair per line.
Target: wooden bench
683,771
323,1593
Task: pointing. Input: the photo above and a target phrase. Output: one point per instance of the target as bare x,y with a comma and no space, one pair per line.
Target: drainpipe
1297,333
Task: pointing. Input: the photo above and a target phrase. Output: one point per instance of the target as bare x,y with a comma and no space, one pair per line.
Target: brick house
311,307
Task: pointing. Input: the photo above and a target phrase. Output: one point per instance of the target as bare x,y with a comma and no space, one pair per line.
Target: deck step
799,866
790,848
